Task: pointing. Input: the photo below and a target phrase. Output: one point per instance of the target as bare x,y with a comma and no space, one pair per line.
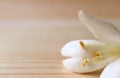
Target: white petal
112,70
102,30
75,65
73,48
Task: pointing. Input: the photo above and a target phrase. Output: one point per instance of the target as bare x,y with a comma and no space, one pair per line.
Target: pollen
85,61
82,44
97,55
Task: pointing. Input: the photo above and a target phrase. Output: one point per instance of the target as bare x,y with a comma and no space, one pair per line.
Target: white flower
92,55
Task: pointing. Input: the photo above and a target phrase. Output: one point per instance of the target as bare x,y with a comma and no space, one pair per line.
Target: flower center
96,55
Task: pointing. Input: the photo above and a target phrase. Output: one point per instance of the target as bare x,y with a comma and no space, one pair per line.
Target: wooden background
32,33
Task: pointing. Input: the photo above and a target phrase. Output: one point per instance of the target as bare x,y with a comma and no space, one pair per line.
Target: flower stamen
82,44
97,55
85,61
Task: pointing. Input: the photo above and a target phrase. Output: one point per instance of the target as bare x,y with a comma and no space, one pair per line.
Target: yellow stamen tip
85,61
82,44
97,55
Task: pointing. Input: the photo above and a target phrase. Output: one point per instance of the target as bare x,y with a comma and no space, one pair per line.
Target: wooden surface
32,32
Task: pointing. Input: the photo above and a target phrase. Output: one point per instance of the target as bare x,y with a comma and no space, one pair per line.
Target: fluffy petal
75,65
112,70
102,30
74,49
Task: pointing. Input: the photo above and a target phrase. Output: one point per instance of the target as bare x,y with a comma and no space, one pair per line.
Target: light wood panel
32,32
58,9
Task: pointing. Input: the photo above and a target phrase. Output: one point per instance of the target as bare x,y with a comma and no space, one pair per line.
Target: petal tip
62,51
80,12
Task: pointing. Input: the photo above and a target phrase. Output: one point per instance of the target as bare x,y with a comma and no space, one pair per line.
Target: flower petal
102,30
75,65
94,49
112,70
74,49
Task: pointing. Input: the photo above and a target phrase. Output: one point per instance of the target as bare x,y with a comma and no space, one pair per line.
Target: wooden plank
32,33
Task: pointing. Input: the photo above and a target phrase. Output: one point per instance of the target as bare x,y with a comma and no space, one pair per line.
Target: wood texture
32,32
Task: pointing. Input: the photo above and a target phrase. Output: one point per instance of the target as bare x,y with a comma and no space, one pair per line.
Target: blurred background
57,9
39,28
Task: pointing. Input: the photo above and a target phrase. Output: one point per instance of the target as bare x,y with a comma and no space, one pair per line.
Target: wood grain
32,32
